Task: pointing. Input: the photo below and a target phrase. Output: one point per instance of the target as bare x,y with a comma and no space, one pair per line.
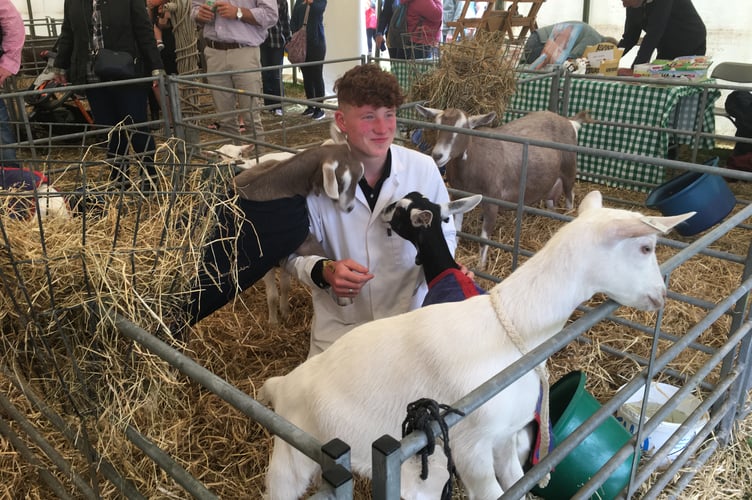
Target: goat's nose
659,299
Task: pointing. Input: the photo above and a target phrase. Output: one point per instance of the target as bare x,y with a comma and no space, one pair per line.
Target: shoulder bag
397,26
296,47
114,65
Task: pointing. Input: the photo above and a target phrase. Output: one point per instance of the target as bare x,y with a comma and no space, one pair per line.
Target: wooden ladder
515,22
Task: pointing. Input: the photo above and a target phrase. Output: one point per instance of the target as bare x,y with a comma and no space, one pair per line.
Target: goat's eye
646,249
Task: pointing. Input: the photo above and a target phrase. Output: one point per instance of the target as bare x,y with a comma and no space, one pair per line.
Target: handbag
397,26
296,47
114,65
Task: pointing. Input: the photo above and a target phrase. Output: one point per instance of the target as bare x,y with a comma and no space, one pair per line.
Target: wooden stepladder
516,18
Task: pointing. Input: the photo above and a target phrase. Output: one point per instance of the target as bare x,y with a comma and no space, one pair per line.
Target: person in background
673,27
122,26
371,23
370,265
162,20
424,18
395,47
423,31
451,10
233,33
587,36
273,54
12,35
313,75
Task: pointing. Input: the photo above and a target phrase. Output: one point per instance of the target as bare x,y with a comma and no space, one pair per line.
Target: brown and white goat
277,298
359,388
493,167
272,205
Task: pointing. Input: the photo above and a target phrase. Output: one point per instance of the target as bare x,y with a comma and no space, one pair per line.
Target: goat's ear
329,174
644,226
665,224
593,199
429,113
247,151
460,206
481,120
421,218
336,135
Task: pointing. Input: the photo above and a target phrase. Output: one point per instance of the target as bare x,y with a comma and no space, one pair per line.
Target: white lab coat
398,284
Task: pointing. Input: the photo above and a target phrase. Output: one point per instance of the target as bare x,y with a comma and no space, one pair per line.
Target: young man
369,264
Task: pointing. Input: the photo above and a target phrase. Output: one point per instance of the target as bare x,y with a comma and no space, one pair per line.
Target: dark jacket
315,27
125,27
672,26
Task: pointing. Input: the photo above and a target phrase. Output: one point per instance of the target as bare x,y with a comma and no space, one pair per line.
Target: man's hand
205,13
467,272
226,9
346,277
60,78
4,74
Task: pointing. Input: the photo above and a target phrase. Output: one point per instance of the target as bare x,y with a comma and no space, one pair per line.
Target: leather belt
222,45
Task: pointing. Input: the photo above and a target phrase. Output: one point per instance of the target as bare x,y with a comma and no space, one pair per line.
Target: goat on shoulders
269,221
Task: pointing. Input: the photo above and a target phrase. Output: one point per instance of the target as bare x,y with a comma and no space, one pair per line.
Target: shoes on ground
740,162
308,111
318,114
278,111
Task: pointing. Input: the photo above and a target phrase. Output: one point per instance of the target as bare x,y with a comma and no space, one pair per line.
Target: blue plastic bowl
706,194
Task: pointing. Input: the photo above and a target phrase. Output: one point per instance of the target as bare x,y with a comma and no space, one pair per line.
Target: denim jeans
6,135
272,79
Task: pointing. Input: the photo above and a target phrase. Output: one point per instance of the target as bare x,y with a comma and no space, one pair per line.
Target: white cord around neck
542,372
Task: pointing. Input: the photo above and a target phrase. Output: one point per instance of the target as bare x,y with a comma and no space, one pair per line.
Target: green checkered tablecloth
661,106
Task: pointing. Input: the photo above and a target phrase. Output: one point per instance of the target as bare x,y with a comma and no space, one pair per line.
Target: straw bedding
101,383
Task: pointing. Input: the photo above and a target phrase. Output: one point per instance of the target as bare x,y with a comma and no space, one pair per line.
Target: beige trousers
241,59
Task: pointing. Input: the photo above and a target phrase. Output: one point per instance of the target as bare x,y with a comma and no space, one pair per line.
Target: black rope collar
420,414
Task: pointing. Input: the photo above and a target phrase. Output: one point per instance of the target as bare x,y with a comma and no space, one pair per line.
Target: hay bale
476,75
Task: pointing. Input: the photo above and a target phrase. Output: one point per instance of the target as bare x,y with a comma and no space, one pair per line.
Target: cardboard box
603,59
689,68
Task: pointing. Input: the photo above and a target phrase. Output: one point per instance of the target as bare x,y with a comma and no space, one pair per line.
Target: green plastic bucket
570,406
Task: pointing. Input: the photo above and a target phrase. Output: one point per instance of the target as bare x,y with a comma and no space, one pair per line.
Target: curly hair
368,84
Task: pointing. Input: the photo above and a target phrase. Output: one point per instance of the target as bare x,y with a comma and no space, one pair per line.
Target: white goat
359,388
493,167
418,220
